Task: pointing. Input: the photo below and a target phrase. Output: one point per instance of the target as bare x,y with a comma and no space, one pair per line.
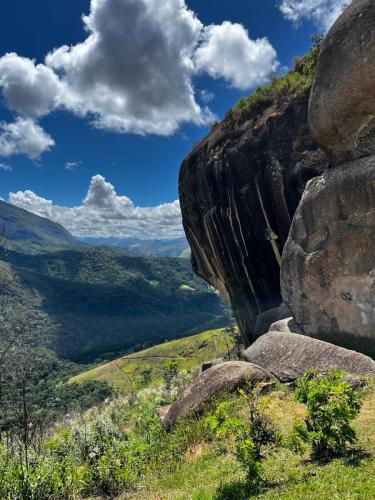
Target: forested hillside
99,302
103,302
78,305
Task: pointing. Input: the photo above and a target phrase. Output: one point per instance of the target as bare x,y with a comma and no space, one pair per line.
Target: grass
289,476
120,449
146,367
281,89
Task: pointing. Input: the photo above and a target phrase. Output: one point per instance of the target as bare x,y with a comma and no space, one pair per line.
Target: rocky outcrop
328,269
239,189
288,356
342,106
226,376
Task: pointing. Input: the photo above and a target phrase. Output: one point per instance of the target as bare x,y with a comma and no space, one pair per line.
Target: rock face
342,106
239,189
288,356
328,271
266,319
226,376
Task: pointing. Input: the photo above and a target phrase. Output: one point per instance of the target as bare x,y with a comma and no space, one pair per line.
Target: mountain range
99,301
178,247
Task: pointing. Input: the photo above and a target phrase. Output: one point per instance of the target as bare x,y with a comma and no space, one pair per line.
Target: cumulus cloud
135,70
27,88
228,52
104,213
24,136
322,12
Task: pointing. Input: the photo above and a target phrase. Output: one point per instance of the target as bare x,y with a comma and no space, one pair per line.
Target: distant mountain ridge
178,247
31,233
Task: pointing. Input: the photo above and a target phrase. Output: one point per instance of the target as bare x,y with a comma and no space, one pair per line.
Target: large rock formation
342,106
328,270
288,356
226,376
239,189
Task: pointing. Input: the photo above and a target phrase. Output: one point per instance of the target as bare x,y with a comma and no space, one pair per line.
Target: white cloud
135,70
71,165
228,52
104,213
5,167
322,12
24,136
27,88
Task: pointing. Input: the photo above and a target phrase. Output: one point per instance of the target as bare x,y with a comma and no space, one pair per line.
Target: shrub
332,404
260,429
246,454
280,89
253,433
224,421
170,371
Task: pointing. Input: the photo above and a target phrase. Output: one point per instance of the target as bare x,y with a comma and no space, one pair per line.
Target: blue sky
58,112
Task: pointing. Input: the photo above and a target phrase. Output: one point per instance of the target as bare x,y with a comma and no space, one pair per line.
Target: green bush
246,454
224,421
259,429
332,404
253,432
280,89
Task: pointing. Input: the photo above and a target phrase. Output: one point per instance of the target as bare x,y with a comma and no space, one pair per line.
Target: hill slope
102,302
29,232
133,370
99,302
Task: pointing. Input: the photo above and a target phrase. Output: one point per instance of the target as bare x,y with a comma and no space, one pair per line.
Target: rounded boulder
224,377
342,103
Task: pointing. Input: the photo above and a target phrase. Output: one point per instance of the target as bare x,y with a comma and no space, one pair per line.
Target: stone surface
288,356
226,376
266,319
354,381
287,325
328,270
239,189
342,105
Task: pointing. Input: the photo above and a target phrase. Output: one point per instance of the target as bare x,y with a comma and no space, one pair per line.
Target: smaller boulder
287,325
226,376
288,356
266,318
354,381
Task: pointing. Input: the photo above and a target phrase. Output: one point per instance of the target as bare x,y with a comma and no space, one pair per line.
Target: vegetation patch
281,89
147,367
238,448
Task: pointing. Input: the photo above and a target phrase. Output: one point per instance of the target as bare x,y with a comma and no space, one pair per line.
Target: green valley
86,305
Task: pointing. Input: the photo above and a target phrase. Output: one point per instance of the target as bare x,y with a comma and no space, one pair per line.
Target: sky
100,100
